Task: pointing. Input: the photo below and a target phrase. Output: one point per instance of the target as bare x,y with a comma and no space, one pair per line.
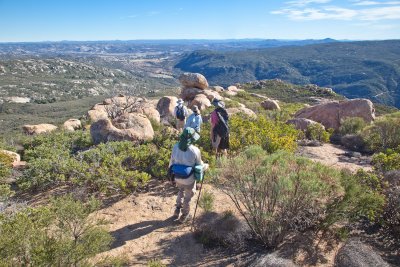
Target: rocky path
337,157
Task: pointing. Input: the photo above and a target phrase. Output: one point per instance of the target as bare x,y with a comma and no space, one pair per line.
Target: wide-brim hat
218,103
180,101
190,133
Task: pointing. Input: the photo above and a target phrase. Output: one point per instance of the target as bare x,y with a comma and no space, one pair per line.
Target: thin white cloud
380,13
153,13
132,16
375,3
306,2
322,12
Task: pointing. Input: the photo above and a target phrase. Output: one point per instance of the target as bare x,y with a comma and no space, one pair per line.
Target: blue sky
45,20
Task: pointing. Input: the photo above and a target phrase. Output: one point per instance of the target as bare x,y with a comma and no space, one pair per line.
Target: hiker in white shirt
180,113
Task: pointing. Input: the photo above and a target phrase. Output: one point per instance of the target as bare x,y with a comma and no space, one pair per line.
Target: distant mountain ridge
134,46
369,69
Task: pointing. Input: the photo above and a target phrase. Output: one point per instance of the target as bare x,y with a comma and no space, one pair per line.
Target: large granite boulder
211,95
103,130
188,94
216,88
246,111
201,101
166,106
95,115
15,156
38,129
196,80
270,104
301,123
355,253
72,125
138,125
332,114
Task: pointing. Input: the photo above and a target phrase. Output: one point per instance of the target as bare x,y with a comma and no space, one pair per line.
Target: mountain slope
368,69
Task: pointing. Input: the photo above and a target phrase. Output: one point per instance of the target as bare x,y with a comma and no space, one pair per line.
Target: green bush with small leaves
383,134
316,131
61,234
352,125
388,161
207,201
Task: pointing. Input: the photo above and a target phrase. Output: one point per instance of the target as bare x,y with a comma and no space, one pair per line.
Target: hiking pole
198,198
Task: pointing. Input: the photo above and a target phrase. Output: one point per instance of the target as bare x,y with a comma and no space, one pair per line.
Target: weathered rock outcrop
332,114
201,101
166,106
301,123
196,80
218,89
246,111
188,94
38,129
270,104
138,125
72,125
357,254
103,130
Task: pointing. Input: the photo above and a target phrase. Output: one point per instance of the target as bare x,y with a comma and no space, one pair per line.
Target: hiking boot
176,213
185,218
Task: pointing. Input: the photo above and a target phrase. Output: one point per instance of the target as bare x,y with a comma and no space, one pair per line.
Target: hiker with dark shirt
184,163
181,113
219,128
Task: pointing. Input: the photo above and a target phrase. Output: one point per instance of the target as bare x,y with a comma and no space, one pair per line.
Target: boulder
271,260
247,111
103,131
331,114
201,101
151,113
95,115
232,88
355,253
301,123
72,125
362,108
196,80
218,89
211,95
166,106
137,124
270,104
188,94
38,129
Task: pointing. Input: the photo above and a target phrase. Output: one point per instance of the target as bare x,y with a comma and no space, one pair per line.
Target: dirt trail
336,156
144,230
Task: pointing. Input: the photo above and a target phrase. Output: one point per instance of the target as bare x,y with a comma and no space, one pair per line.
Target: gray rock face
357,254
196,80
272,260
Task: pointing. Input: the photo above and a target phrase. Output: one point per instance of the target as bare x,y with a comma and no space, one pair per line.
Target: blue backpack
182,171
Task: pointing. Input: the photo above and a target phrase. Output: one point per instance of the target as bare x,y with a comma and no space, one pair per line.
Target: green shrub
388,161
363,198
279,193
271,135
5,165
62,234
383,134
207,201
352,125
155,263
316,131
